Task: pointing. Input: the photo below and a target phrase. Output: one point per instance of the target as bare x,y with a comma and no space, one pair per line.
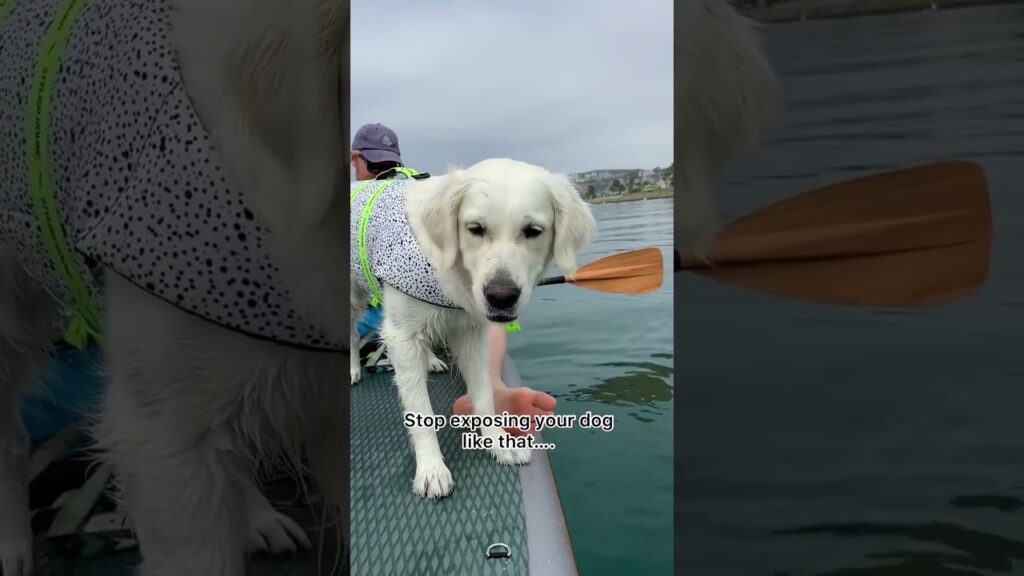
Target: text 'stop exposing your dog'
97,120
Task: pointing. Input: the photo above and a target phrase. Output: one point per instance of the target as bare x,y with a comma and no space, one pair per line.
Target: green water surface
610,355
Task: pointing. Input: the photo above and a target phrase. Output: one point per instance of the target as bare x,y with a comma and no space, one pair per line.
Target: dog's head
499,224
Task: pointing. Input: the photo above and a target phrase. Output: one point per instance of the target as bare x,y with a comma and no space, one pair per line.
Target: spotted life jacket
384,249
104,164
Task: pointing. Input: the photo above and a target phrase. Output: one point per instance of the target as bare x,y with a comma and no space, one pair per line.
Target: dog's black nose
501,294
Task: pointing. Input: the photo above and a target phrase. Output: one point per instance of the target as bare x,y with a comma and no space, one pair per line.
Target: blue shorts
371,321
71,389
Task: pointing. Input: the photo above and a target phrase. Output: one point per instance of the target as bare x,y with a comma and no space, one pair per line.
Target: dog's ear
441,218
574,223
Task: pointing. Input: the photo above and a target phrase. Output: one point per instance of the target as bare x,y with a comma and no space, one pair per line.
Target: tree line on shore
597,184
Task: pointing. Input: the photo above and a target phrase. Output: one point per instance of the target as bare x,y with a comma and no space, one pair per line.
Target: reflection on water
964,551
640,384
1001,503
967,552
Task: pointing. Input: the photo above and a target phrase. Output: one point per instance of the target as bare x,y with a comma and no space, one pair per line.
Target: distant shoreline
635,197
797,10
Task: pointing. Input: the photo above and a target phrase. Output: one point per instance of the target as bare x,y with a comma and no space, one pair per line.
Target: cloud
572,85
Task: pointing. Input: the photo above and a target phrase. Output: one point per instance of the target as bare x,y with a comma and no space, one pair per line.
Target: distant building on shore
608,183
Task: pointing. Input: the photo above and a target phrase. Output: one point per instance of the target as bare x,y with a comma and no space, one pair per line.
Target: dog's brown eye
532,231
476,229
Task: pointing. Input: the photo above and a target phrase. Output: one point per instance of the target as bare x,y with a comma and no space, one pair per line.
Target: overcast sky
572,85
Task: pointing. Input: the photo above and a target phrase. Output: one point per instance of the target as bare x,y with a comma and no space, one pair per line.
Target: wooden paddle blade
632,285
635,272
909,237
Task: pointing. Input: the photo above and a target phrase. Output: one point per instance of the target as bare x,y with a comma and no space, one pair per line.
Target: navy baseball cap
377,143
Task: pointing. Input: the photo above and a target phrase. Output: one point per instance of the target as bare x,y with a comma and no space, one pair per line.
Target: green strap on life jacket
364,223
86,321
407,172
355,193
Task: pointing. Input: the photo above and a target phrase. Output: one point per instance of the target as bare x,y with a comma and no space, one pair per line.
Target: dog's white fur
191,407
499,220
728,94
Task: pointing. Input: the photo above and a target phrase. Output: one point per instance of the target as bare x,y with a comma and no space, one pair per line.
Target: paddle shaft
552,280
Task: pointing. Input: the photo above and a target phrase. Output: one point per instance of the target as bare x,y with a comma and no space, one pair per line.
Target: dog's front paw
506,456
16,553
437,365
433,480
511,456
355,373
274,532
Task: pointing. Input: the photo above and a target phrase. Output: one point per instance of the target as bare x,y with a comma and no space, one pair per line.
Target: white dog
727,93
195,155
454,253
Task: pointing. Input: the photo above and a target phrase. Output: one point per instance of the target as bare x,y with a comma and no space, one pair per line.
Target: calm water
821,440
610,354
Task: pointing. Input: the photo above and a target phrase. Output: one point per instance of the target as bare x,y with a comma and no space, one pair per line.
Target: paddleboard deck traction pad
480,530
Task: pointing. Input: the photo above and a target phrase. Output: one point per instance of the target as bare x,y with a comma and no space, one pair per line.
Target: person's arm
499,348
